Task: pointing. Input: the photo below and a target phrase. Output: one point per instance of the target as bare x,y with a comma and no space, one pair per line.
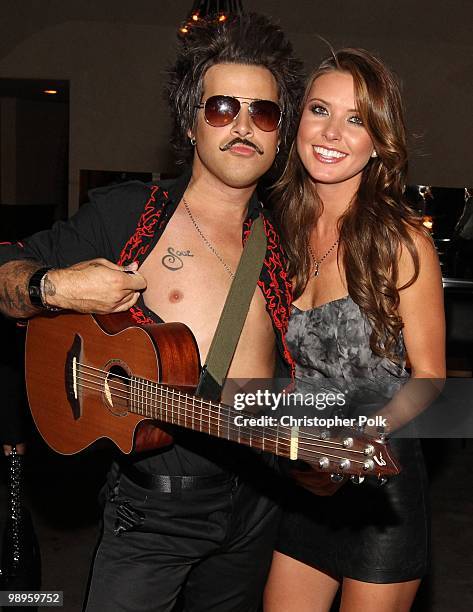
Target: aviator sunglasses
220,111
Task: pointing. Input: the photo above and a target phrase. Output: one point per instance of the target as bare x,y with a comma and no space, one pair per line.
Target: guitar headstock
346,452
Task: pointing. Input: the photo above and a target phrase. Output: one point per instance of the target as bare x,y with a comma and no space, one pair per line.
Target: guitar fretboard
170,405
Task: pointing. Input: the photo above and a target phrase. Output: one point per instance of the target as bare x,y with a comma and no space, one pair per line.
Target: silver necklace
207,242
318,262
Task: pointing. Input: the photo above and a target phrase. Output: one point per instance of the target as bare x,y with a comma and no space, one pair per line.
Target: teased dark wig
249,39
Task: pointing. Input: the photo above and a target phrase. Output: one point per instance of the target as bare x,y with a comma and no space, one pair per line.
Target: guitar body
105,352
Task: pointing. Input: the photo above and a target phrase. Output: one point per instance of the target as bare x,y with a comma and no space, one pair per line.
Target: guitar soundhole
116,392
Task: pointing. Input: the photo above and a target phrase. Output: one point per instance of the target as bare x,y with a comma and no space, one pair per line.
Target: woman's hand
316,482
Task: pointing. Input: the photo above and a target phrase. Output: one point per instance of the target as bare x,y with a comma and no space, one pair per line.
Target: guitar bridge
71,376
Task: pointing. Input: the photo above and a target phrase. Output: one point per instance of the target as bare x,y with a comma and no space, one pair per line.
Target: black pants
209,548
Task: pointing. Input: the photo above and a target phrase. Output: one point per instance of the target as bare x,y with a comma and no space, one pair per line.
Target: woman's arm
422,311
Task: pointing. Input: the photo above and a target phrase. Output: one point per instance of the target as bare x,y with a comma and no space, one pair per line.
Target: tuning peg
382,480
324,462
336,477
357,479
347,442
345,464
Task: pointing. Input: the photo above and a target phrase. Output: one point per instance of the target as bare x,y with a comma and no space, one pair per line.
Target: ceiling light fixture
213,10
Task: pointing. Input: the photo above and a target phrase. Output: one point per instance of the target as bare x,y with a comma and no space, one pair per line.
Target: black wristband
34,288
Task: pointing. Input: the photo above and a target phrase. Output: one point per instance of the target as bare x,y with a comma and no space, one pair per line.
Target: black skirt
364,532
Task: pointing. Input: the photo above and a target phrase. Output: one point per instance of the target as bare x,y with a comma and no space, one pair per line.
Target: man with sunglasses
192,523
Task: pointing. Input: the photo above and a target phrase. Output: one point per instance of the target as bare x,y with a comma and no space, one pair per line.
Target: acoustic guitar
90,377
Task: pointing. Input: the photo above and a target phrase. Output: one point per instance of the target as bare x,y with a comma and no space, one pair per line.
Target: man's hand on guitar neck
96,286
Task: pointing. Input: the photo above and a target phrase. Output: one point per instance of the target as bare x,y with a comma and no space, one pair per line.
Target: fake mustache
242,141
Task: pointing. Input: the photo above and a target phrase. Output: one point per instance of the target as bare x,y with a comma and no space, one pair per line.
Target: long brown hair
378,222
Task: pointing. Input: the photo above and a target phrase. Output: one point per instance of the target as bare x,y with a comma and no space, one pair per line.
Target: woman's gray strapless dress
365,532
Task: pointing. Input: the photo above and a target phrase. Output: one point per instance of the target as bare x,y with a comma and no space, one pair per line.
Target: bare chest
188,280
328,285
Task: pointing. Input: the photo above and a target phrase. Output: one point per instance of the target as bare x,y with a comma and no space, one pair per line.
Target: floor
61,493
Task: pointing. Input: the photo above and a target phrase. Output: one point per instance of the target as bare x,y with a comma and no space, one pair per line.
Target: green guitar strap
233,314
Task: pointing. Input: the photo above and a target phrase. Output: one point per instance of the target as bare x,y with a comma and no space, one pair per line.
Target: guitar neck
86,400
170,405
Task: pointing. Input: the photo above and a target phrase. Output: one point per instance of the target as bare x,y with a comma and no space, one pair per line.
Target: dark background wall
114,54
41,157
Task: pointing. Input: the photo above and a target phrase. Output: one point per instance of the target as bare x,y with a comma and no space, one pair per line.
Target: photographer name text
241,420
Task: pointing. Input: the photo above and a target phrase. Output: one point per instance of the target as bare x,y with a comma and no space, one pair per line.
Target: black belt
170,484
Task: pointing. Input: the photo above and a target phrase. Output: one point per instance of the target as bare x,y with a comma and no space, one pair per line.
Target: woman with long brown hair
368,293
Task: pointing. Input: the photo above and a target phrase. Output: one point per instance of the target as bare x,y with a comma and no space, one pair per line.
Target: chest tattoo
173,260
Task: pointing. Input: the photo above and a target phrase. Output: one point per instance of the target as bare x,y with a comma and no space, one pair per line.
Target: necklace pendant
316,270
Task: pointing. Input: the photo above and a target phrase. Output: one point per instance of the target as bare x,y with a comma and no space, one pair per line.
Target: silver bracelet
43,294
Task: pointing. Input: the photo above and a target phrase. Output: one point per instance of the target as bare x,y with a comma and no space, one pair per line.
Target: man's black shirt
123,223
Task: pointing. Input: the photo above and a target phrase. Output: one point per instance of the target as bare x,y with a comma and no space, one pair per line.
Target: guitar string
179,395
303,452
279,441
280,444
216,416
202,402
187,414
191,415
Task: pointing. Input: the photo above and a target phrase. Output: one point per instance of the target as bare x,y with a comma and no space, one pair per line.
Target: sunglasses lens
265,114
221,110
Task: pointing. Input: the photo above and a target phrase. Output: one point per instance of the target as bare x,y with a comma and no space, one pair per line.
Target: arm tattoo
49,287
14,296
